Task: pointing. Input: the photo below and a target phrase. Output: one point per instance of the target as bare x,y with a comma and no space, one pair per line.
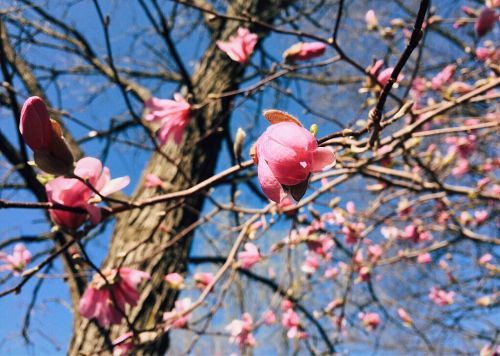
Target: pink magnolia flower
311,264
424,258
369,320
174,280
441,297
73,193
304,50
371,20
203,279
153,181
123,344
44,136
106,300
250,256
269,318
484,54
353,232
241,331
463,146
321,246
172,115
174,318
291,321
286,155
416,234
375,252
404,316
17,261
443,77
384,76
240,47
485,21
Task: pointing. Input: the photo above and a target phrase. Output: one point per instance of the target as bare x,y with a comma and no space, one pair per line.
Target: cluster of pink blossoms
107,296
17,261
441,297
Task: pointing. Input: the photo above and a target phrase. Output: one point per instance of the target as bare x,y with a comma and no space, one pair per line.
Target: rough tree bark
195,161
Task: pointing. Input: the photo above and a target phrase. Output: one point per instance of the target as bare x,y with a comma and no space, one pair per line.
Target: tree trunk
195,161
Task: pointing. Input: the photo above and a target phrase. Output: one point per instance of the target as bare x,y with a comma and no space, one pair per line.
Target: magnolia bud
486,21
238,142
35,124
371,20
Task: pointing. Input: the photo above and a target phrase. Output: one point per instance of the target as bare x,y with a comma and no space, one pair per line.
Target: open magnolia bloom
239,47
72,192
286,154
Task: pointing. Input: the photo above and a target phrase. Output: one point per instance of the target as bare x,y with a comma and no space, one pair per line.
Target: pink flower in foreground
286,154
304,50
443,77
485,21
174,280
73,193
424,258
371,20
44,136
106,300
172,115
250,256
241,331
405,317
441,297
203,279
173,319
240,47
123,344
369,320
17,261
269,318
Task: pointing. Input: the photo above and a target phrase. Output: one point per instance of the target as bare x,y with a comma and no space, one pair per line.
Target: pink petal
115,185
89,168
322,157
269,184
